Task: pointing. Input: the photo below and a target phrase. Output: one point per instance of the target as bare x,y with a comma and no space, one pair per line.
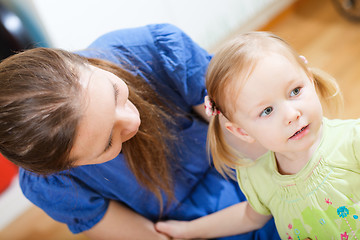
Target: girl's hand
174,229
236,219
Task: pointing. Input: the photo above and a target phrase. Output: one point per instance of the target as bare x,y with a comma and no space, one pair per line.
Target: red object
7,171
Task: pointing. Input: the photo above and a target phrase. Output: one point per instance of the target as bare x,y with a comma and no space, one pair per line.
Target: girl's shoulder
339,133
342,142
336,125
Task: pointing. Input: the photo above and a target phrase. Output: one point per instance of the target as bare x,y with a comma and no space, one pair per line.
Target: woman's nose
127,115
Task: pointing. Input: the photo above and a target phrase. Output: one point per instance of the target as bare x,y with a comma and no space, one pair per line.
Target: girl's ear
239,132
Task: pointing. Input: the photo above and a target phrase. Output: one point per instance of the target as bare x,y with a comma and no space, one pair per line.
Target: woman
113,140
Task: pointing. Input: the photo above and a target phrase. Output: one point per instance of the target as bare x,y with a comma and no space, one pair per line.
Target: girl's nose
292,115
296,118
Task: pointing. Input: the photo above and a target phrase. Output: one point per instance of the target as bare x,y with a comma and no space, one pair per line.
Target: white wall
12,203
74,24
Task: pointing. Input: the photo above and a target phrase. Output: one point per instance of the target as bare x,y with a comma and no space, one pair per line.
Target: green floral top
322,200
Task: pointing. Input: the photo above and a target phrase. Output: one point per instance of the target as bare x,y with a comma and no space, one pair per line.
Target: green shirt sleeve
246,185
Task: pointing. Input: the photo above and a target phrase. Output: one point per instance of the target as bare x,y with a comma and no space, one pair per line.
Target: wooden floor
329,41
315,30
34,224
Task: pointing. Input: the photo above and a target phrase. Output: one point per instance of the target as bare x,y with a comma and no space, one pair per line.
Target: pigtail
328,91
224,157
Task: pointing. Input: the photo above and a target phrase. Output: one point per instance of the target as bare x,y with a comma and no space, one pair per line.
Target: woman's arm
234,220
119,222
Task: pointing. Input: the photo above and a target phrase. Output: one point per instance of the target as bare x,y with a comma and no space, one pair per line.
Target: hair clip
210,108
304,59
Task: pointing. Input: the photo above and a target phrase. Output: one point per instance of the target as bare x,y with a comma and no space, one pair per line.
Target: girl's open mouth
299,134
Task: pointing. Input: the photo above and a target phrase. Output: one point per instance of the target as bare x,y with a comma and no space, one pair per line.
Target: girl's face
278,106
108,120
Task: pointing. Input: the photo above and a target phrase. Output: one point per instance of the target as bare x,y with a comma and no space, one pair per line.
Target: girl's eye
295,92
266,112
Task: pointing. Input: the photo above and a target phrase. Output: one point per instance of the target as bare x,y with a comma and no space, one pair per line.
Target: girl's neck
290,163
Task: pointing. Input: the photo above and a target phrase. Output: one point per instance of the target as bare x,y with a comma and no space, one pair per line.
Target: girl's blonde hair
230,67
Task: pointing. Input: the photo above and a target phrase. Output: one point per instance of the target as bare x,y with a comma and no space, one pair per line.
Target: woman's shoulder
137,42
156,46
137,36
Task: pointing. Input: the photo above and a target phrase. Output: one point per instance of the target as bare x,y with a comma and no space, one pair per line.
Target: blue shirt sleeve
163,55
65,198
184,62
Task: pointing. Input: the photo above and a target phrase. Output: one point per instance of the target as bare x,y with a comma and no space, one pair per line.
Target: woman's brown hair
40,108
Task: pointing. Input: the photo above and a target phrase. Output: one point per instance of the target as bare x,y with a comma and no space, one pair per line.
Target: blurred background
327,32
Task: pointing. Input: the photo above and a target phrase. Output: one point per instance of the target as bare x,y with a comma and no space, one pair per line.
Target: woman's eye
109,145
295,92
266,112
116,92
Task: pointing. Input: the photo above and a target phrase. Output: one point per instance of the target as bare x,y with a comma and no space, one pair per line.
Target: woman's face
108,119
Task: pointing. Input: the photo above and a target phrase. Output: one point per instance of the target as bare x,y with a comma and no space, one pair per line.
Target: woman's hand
121,222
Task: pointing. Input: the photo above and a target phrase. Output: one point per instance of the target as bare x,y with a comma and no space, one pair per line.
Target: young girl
309,179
